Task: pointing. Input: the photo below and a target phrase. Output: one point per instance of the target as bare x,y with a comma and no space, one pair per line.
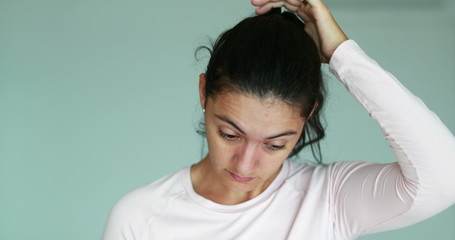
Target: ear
202,97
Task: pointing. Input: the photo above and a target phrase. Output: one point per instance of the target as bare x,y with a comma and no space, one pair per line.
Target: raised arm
369,197
380,197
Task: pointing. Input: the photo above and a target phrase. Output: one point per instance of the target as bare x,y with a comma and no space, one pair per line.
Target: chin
239,187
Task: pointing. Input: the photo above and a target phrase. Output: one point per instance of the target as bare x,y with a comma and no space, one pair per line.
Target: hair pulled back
271,56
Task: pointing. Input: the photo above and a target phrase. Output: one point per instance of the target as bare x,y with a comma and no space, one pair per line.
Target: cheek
219,151
211,137
275,161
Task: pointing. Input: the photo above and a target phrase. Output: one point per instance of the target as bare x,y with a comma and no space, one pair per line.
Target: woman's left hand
319,22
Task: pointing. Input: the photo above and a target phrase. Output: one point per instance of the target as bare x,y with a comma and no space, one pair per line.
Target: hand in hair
319,22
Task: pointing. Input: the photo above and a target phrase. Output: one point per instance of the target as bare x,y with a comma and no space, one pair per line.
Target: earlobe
202,97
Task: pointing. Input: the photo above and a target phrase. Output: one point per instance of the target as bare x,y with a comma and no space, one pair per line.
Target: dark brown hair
271,55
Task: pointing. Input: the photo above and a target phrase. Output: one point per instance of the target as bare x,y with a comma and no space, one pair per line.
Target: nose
246,160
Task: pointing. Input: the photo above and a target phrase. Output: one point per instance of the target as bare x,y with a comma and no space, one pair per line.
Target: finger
259,2
295,2
301,13
291,7
313,2
265,8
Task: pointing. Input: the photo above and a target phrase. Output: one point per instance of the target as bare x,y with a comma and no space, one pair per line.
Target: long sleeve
370,197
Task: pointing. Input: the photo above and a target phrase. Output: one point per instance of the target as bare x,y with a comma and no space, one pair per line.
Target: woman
261,96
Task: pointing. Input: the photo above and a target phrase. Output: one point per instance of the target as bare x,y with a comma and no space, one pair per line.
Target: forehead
251,112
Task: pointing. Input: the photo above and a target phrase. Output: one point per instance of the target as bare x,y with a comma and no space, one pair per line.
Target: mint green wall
99,97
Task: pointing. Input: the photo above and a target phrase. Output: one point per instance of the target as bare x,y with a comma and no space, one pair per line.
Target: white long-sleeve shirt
338,201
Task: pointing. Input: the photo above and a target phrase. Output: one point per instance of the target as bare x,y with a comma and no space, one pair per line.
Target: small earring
203,110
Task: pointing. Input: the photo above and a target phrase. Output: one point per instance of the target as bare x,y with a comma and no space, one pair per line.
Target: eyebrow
225,119
288,133
232,123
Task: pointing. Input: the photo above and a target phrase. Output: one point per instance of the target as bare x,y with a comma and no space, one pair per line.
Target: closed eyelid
228,137
277,143
228,131
275,147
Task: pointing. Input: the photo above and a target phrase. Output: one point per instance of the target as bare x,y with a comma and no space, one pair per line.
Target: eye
275,147
228,137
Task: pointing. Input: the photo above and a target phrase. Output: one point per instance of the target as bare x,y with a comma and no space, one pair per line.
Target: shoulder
306,177
154,193
137,206
306,170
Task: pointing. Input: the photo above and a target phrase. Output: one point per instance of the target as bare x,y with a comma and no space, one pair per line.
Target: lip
240,179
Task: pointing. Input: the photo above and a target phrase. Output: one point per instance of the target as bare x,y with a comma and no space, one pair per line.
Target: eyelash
275,147
227,136
232,138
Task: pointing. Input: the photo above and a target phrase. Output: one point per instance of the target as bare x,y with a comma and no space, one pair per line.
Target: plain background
99,97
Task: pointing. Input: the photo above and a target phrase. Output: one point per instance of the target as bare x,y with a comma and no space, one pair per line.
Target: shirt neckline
211,205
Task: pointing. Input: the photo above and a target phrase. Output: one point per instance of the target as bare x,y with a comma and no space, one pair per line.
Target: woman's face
248,139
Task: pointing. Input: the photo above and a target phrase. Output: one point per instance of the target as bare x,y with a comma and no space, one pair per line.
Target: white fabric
339,201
